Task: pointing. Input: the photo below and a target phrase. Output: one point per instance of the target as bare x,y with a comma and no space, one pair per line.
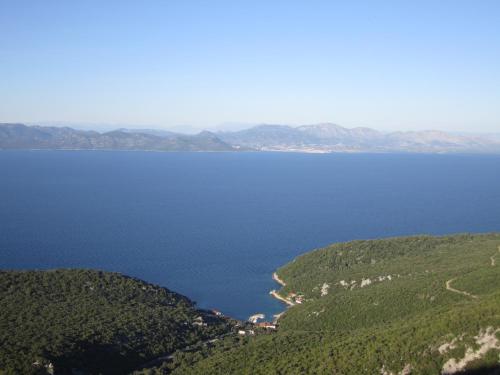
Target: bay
215,226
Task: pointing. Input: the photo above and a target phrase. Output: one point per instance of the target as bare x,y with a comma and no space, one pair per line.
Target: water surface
214,226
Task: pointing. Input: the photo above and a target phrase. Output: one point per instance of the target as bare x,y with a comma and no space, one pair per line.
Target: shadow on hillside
486,370
95,358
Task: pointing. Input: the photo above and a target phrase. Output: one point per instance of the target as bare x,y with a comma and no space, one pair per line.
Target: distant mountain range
334,138
307,138
20,136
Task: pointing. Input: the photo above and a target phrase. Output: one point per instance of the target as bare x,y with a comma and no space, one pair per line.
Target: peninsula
381,307
410,305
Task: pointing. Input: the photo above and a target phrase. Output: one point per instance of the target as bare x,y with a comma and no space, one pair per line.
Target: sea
215,226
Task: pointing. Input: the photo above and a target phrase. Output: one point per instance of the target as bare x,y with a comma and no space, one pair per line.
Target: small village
245,328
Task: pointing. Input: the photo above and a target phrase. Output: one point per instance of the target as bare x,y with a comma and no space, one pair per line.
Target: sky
389,65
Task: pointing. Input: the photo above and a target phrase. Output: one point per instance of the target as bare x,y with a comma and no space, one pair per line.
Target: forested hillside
416,305
95,322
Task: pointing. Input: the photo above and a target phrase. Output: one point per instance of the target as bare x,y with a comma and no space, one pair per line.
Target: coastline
274,293
278,280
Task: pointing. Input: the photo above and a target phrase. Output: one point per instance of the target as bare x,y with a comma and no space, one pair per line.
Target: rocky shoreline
280,298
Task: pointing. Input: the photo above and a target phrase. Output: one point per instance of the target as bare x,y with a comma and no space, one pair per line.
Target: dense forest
416,305
67,321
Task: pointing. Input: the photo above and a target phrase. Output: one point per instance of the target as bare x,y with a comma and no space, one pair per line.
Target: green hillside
415,305
419,305
93,322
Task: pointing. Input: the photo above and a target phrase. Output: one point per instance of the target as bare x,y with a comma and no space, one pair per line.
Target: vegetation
355,319
93,322
419,305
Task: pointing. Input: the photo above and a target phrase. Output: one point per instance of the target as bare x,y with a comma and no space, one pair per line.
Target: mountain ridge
20,136
317,138
328,137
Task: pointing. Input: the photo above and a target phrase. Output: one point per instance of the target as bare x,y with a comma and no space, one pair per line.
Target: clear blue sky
385,64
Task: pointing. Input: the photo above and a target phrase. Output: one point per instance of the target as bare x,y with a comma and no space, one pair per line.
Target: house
244,333
299,299
217,313
267,325
198,321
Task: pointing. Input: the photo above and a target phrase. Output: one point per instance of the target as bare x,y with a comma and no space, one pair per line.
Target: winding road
451,289
492,258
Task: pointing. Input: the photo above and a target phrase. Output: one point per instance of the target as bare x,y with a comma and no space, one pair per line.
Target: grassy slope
386,324
97,321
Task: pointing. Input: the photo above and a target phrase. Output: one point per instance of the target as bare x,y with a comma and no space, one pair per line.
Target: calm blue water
214,226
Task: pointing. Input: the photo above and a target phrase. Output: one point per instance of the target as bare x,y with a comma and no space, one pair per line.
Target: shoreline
278,280
274,293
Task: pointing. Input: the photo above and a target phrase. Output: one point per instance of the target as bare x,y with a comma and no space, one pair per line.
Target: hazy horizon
387,65
229,127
